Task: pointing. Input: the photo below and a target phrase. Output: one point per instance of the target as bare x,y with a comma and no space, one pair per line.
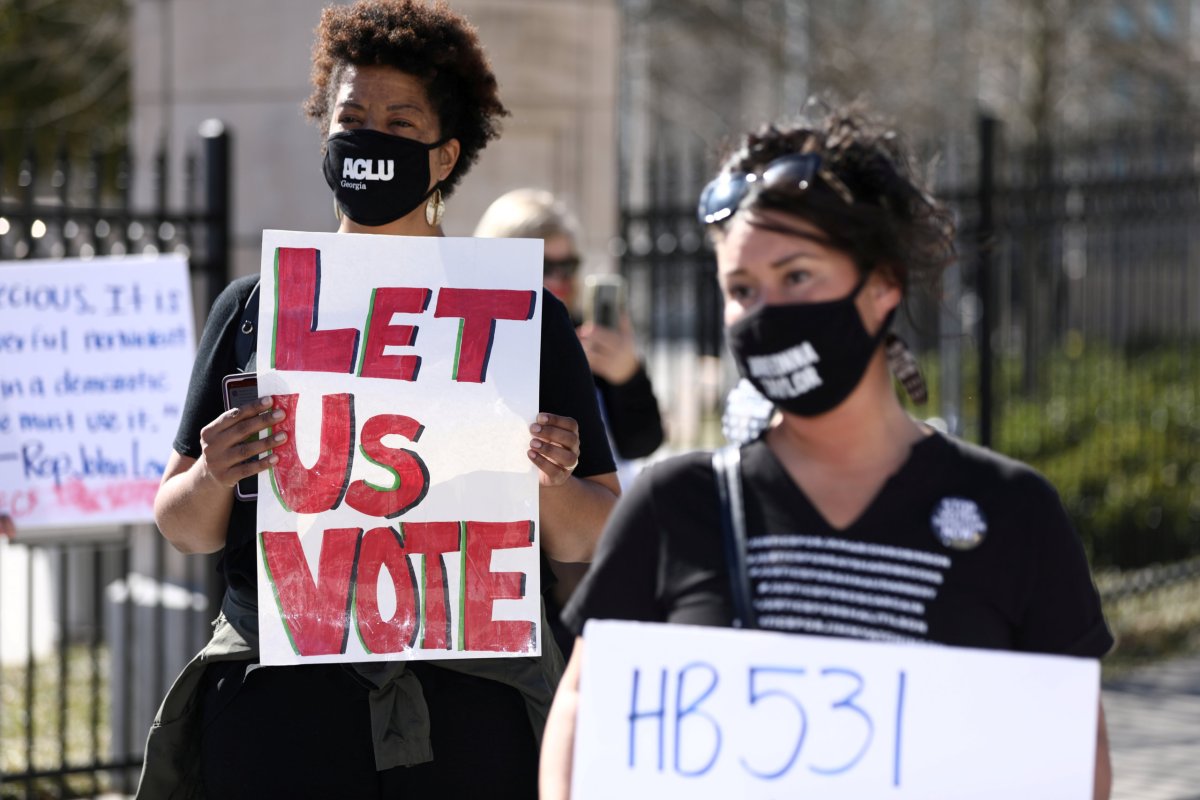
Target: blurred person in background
627,400
819,228
405,81
8,528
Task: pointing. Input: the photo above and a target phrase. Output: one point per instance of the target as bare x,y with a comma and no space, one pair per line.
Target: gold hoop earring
435,207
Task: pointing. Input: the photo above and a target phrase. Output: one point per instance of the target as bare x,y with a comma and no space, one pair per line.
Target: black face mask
806,358
377,178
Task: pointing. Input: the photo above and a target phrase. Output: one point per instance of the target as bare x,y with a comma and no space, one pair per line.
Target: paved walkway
1154,730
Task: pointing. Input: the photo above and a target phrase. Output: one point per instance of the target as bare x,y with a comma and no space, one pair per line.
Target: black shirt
632,413
904,570
566,389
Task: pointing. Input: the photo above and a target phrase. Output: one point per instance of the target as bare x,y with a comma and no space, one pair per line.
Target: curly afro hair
428,41
893,223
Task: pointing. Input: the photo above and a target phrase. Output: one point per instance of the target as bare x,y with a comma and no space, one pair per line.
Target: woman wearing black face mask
406,101
818,227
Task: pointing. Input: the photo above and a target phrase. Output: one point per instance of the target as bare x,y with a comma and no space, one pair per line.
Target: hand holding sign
555,448
231,444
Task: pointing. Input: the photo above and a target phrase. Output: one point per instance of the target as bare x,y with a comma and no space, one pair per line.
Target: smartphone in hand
240,389
604,300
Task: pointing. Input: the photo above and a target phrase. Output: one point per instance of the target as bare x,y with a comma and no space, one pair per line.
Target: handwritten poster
684,711
401,520
95,358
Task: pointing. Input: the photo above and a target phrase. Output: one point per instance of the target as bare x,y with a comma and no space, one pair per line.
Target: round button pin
958,523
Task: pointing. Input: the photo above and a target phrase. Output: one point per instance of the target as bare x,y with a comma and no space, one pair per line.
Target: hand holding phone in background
607,334
604,300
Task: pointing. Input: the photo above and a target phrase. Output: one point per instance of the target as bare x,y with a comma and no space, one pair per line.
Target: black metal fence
1068,335
674,303
1081,262
93,625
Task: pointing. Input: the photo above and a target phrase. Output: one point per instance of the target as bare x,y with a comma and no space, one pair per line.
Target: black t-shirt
566,389
632,412
961,547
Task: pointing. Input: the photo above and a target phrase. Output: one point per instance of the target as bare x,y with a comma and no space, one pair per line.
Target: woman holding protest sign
819,229
404,82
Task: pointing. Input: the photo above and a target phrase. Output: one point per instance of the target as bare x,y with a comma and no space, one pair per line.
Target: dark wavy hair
893,223
427,41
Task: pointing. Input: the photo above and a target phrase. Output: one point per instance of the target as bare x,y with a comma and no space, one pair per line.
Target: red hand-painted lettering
381,547
299,346
479,309
381,333
431,539
315,613
483,587
320,488
410,477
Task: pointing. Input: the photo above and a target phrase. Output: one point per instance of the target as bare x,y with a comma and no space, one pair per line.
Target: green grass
1152,624
1116,431
15,717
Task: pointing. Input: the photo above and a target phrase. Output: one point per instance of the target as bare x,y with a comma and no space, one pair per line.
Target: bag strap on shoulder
246,343
727,464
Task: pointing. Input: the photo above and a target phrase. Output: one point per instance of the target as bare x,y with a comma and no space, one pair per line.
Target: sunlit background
1063,132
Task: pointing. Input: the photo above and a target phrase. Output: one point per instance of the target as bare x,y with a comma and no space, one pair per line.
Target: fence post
26,180
216,204
983,278
217,212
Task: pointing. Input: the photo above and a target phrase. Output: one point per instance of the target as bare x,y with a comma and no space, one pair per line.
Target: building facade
247,64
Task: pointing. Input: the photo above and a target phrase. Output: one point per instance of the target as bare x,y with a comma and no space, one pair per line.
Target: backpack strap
727,464
245,345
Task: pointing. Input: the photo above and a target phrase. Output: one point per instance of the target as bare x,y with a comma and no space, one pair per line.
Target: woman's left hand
554,448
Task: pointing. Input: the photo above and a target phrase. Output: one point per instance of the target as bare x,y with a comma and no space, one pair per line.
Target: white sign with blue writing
683,711
95,357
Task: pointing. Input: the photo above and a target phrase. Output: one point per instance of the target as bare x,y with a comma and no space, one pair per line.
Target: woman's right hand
231,448
194,500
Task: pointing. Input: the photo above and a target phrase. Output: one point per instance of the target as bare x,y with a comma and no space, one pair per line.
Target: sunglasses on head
564,267
795,172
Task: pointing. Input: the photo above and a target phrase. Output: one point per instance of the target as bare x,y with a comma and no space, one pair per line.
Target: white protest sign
681,711
401,521
95,357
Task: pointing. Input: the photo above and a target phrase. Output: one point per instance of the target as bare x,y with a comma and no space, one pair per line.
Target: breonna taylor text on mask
787,374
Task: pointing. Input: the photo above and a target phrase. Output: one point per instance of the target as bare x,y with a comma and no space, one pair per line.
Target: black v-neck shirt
961,546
